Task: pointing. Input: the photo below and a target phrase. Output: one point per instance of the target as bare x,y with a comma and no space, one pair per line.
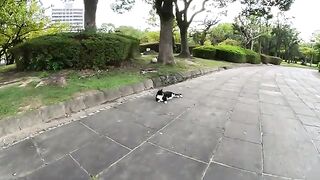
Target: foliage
74,50
252,57
20,20
227,53
270,59
206,52
231,42
150,37
221,32
129,31
231,53
107,28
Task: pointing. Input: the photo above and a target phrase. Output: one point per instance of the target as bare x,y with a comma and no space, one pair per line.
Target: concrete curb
90,99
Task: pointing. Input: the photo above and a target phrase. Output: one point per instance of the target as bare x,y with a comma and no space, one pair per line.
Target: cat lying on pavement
164,96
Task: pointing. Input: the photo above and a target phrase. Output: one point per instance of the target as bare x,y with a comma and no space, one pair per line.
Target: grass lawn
298,65
14,99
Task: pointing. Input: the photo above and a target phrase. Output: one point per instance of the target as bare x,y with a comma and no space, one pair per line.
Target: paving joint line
105,136
177,153
79,165
169,123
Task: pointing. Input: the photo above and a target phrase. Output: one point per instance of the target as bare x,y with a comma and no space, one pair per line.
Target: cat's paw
180,96
165,102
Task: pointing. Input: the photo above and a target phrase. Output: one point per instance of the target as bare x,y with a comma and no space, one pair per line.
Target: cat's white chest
159,97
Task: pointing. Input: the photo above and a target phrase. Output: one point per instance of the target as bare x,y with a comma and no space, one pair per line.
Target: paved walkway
253,123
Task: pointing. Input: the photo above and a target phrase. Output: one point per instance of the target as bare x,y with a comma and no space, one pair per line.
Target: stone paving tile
303,110
246,132
272,99
218,172
216,102
284,156
245,117
98,155
212,118
309,120
225,94
277,110
60,141
120,126
246,107
240,154
65,168
19,160
285,127
189,139
314,132
150,162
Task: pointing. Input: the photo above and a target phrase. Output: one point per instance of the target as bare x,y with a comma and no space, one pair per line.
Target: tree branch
197,12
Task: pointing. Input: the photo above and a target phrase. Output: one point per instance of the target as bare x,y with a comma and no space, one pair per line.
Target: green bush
252,57
155,47
74,50
231,42
227,53
206,52
230,53
319,66
270,59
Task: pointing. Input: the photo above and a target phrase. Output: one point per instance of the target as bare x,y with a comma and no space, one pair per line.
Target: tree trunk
90,8
184,53
166,45
165,11
251,44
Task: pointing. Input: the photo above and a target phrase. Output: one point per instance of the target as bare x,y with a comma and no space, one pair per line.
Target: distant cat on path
164,96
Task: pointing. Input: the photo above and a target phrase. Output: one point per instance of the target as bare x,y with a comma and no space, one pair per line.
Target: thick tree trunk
90,8
184,53
166,45
165,11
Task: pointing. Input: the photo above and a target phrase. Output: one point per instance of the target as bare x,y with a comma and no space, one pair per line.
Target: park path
249,123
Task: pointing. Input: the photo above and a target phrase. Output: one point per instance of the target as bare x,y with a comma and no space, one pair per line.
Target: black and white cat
164,96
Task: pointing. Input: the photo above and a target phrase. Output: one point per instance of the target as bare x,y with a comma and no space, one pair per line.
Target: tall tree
90,9
184,21
164,8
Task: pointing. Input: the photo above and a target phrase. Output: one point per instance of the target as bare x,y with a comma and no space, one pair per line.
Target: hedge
74,50
270,59
206,52
230,53
227,53
155,46
252,57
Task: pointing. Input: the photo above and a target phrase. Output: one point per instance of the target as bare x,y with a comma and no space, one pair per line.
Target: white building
68,11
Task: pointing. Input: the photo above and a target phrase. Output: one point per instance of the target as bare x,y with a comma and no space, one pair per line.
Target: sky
305,13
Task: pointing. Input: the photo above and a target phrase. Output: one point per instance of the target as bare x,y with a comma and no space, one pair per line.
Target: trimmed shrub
74,50
206,52
319,66
155,47
230,53
270,59
227,53
252,57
